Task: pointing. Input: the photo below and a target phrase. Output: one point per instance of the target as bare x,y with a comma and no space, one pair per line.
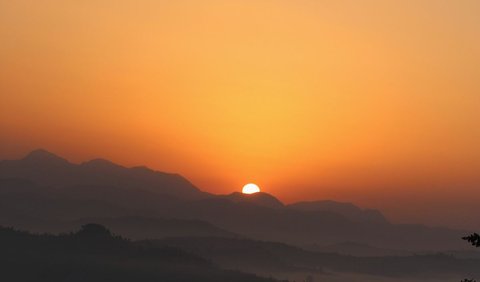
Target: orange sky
375,102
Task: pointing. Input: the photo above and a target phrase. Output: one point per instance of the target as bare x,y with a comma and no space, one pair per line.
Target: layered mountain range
46,193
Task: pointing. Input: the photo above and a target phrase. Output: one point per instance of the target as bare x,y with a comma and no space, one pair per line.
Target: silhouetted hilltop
95,254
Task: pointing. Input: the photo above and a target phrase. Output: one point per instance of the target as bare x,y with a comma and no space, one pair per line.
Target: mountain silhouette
47,169
43,192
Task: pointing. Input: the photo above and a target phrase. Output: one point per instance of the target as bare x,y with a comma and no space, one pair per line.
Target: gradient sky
375,102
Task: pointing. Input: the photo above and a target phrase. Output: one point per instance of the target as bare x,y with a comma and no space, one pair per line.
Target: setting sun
250,189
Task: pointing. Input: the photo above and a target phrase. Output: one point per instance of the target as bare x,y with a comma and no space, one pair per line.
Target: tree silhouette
473,239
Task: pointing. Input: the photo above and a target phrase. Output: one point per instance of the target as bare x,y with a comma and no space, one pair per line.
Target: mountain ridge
48,169
69,192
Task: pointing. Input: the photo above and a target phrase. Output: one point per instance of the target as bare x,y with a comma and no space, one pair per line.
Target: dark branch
474,239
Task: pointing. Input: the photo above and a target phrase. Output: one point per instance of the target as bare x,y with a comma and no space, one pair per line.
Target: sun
250,188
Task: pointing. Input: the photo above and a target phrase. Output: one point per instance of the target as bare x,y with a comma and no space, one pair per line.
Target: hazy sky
375,102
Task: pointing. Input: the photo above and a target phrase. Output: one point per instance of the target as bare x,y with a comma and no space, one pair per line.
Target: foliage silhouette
474,239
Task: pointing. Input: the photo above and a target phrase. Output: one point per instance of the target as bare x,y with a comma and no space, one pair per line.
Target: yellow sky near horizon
366,101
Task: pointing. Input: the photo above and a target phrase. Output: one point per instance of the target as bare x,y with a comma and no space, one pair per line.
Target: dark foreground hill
94,254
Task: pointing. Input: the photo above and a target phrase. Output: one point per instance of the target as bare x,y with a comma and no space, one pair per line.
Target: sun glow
250,189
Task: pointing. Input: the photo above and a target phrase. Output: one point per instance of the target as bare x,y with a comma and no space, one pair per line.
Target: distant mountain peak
43,156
